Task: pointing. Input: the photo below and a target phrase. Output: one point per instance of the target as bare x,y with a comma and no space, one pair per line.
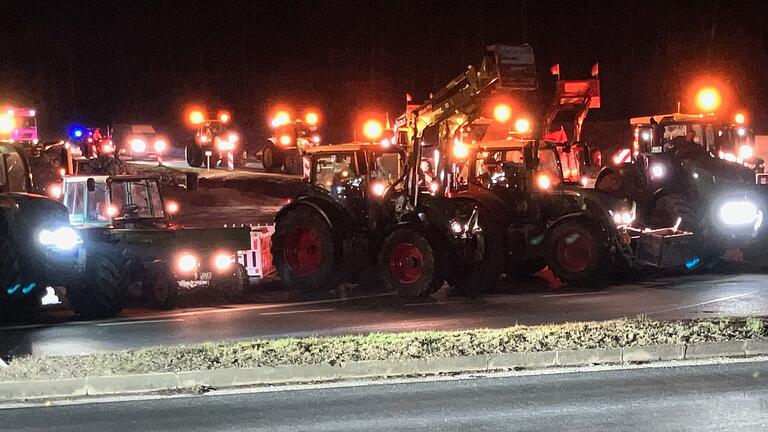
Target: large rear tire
304,251
105,289
407,263
577,253
194,154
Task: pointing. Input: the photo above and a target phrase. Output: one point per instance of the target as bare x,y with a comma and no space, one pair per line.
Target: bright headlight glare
740,213
456,227
46,237
186,263
657,171
66,238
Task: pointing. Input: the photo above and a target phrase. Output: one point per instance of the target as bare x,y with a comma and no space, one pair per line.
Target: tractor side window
97,203
548,165
75,199
334,169
16,175
157,202
140,196
387,166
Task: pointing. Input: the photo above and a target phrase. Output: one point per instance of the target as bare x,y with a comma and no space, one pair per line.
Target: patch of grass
386,346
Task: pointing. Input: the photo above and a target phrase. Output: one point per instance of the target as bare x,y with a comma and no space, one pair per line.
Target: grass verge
386,346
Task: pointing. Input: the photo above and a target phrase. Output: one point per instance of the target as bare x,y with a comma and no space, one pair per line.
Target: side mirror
90,184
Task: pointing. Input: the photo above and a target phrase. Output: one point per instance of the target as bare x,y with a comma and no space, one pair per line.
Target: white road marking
721,299
295,312
118,323
574,294
384,381
432,303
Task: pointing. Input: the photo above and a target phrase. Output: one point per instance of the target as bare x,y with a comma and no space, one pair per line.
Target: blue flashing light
76,131
692,263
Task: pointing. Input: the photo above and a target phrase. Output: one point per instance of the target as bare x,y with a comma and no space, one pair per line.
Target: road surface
529,302
688,398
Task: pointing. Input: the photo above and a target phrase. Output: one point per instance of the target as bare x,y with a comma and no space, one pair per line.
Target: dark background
100,62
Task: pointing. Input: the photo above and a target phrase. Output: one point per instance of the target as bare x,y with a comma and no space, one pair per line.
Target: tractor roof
680,118
502,144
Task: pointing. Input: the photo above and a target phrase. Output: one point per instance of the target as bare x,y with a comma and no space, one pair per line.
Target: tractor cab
116,201
693,135
356,175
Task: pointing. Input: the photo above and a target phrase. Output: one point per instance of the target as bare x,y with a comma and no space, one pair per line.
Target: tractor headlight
64,238
623,217
742,212
658,171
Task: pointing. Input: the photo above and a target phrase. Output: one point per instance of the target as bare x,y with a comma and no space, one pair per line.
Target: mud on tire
304,251
668,208
407,263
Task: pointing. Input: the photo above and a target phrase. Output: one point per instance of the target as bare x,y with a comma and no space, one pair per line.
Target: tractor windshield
98,202
335,170
137,199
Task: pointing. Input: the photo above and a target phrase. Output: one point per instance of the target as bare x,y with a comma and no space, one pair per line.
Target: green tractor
697,169
355,219
39,249
130,213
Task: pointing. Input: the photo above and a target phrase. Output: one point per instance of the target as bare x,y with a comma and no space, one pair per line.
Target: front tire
578,253
271,158
407,263
161,287
235,287
304,251
669,208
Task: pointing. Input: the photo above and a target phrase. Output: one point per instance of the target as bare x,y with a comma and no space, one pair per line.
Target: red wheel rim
574,251
303,251
406,263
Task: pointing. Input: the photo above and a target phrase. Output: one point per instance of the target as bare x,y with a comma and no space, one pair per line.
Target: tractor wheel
235,287
160,286
104,292
578,253
194,154
293,163
407,263
670,207
482,275
304,251
272,158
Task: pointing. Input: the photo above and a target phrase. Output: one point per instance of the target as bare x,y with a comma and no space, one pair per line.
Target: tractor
215,142
291,138
698,168
40,249
130,213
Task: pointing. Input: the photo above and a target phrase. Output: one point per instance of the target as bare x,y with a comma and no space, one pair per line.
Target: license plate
206,276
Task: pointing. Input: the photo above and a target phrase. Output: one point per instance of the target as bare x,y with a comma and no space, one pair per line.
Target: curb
291,374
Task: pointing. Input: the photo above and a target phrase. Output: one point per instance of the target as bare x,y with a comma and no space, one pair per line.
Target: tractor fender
604,172
335,216
497,209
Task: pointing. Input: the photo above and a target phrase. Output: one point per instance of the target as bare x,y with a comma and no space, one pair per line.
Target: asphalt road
689,398
529,302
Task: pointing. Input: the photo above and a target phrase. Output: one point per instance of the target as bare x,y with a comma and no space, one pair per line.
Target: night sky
100,62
